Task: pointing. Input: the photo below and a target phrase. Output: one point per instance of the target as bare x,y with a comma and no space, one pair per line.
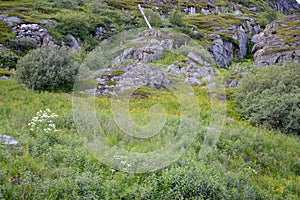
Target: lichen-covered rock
192,81
116,80
197,59
223,52
10,20
243,40
8,140
279,42
175,70
72,42
36,32
198,72
285,6
149,46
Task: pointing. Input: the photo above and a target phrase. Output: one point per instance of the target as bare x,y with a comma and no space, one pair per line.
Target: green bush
8,59
271,96
176,18
69,4
153,17
44,69
266,17
23,44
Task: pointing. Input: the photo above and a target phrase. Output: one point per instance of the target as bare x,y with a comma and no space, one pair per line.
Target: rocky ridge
278,43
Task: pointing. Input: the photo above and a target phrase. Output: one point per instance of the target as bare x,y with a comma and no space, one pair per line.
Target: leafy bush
153,17
266,17
80,24
271,97
8,59
23,44
130,20
44,69
69,4
176,18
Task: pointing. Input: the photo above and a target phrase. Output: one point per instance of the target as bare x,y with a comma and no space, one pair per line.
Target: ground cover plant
247,163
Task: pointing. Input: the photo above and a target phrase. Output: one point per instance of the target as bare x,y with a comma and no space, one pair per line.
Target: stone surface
11,21
198,72
36,32
223,52
175,70
116,80
285,6
72,42
197,59
5,78
192,81
149,46
255,38
277,43
8,140
243,40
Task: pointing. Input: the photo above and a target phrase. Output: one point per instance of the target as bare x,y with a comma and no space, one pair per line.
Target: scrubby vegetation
256,156
48,69
247,163
270,97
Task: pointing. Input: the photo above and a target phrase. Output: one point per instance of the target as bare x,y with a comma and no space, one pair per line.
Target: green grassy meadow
246,163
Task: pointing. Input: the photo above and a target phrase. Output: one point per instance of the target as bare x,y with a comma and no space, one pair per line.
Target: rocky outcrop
36,32
196,59
149,46
72,42
237,41
116,80
285,6
223,52
145,54
8,140
243,41
10,20
193,75
278,43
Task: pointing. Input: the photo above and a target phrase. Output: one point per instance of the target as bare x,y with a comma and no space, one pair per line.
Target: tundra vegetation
256,156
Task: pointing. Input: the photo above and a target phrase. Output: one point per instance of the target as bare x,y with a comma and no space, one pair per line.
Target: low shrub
8,59
23,44
153,17
266,17
271,96
44,69
176,18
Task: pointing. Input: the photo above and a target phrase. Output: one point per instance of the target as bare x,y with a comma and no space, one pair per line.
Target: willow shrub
48,69
270,96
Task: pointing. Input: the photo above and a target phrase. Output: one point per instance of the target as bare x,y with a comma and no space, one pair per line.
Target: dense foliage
48,69
271,96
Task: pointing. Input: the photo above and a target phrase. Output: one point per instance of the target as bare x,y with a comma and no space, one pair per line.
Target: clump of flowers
43,121
123,163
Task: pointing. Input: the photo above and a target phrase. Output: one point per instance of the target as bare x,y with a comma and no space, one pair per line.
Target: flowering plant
43,121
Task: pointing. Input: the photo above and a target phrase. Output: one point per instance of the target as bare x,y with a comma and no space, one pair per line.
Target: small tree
44,69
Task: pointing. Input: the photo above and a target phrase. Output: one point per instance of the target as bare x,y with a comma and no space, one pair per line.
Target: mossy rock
111,83
117,73
5,72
